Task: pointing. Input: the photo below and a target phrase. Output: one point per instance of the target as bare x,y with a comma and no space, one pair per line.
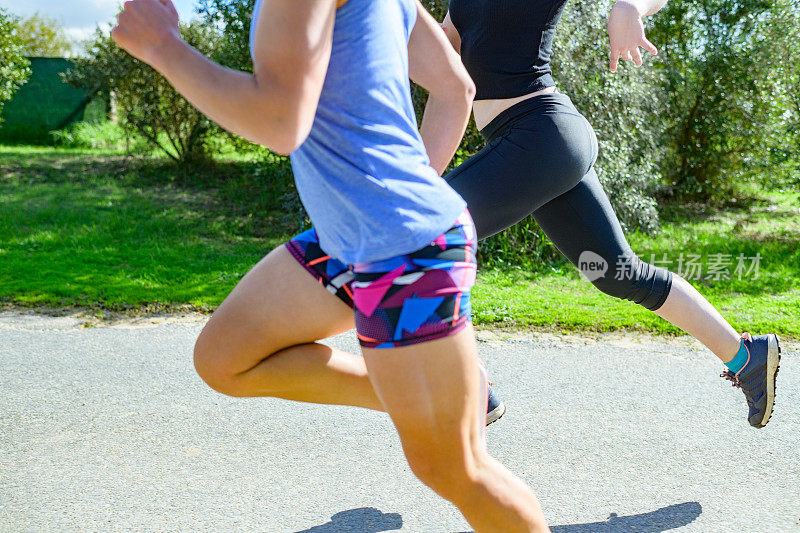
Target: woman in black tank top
540,155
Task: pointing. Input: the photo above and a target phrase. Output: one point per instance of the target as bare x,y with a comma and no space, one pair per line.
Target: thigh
483,181
276,305
432,391
413,321
583,220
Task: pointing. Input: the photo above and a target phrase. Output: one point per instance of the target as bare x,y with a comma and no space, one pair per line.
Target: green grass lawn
104,231
93,229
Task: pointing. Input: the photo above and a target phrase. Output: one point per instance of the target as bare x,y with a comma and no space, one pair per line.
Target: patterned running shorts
404,300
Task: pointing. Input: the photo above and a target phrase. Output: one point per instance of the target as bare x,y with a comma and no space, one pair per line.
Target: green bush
104,135
146,104
782,161
13,65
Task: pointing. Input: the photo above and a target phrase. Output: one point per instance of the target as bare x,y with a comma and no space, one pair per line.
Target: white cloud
80,34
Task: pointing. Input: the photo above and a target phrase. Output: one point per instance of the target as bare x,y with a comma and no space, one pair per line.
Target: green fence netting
45,103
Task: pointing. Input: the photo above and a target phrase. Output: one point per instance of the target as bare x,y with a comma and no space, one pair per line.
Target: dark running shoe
757,377
495,408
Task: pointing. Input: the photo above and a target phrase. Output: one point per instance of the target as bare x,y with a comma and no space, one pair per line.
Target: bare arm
274,106
626,30
451,32
434,64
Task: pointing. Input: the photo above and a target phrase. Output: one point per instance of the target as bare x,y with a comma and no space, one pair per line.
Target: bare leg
434,393
260,341
690,311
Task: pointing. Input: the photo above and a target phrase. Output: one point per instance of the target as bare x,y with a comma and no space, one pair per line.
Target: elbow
470,90
281,144
295,129
286,143
294,137
459,88
462,94
287,131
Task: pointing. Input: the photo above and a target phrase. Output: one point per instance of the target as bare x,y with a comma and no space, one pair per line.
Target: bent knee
215,368
636,281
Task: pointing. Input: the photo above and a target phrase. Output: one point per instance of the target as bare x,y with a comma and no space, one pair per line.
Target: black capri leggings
540,160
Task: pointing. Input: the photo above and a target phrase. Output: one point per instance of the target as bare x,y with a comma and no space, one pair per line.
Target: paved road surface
109,428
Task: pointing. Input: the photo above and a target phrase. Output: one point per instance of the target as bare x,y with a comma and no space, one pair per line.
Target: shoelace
730,376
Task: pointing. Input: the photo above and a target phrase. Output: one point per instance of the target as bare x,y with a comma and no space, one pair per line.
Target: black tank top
506,44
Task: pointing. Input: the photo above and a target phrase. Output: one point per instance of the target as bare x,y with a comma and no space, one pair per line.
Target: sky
81,17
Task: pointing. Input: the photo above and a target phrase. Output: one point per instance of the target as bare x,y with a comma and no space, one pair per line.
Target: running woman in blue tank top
330,87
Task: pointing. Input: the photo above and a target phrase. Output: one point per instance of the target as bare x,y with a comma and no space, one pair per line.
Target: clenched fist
145,26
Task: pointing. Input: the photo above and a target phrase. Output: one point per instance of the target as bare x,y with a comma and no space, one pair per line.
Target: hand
144,27
626,34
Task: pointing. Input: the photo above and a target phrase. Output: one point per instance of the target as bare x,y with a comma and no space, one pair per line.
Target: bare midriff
486,111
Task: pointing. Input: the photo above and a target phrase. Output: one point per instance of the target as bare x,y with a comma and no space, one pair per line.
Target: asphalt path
109,428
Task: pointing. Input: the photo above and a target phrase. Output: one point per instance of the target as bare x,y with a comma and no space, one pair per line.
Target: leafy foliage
782,160
725,66
146,103
43,36
13,65
233,17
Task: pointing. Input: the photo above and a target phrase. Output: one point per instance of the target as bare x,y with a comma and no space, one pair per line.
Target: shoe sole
773,366
495,414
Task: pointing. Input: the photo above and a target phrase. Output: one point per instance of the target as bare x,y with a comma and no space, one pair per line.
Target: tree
43,36
146,103
14,69
722,63
784,156
233,17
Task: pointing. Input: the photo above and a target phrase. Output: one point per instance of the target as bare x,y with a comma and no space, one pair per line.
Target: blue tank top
363,174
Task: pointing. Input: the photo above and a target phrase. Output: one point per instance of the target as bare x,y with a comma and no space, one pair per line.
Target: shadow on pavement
362,520
666,518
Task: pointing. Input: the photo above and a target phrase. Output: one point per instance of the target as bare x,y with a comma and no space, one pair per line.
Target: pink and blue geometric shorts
404,300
